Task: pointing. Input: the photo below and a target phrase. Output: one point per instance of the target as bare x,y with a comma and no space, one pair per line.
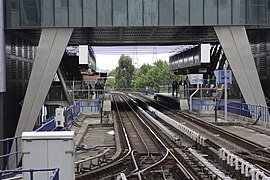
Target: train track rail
253,152
144,154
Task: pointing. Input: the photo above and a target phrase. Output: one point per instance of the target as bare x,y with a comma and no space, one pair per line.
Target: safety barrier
72,113
245,168
258,112
150,91
6,143
54,176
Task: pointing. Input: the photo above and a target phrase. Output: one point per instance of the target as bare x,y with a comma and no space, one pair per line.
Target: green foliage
153,76
124,72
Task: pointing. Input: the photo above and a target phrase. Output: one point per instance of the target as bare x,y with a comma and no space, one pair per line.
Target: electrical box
45,150
59,117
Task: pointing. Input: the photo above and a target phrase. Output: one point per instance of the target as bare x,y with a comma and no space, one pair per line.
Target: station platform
240,126
175,102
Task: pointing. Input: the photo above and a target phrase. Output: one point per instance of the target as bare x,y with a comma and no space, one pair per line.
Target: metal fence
7,143
257,112
72,112
54,176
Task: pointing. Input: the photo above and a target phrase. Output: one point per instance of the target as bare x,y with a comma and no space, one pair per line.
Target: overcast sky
109,62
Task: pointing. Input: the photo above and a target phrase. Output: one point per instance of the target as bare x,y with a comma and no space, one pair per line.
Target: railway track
144,154
250,151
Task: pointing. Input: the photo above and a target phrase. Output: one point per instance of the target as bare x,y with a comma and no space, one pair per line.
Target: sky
109,62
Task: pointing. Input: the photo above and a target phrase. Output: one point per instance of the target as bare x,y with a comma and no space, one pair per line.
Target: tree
124,72
153,76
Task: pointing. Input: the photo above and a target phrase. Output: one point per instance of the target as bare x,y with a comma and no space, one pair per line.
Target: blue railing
6,143
257,112
150,91
54,176
72,113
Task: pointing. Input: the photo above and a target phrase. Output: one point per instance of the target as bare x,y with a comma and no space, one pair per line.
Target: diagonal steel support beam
52,44
234,41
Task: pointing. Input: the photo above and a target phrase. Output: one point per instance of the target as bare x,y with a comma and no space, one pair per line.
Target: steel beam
52,44
234,41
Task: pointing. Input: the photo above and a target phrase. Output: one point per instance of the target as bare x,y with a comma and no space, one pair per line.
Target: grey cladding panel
150,12
89,13
181,12
61,13
119,12
225,9
75,13
47,18
135,13
196,12
210,12
239,11
166,12
104,12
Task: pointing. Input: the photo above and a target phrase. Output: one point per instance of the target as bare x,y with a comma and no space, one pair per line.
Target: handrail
55,175
8,142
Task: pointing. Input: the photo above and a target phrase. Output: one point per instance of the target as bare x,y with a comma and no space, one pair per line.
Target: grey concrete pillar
2,50
235,44
52,44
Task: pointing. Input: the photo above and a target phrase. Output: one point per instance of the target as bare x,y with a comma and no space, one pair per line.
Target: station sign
220,76
195,78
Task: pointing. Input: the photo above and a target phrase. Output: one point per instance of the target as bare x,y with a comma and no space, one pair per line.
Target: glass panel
135,13
120,12
256,12
166,12
61,13
75,12
210,12
89,13
263,11
239,11
196,12
12,15
47,13
104,12
181,12
224,12
29,12
151,12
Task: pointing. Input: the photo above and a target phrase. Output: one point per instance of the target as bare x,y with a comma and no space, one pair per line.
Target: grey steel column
2,50
51,47
235,44
2,78
63,84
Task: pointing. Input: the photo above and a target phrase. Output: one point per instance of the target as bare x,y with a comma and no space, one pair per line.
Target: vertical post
225,94
215,109
73,88
7,148
17,158
0,175
31,174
